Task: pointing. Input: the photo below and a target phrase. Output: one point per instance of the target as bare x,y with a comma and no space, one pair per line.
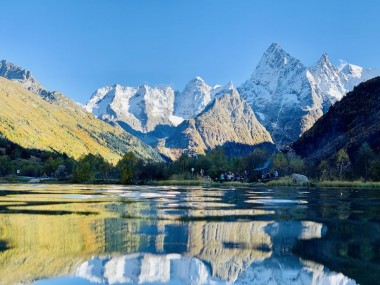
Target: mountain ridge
34,121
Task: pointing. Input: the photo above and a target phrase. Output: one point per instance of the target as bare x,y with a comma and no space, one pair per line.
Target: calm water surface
76,234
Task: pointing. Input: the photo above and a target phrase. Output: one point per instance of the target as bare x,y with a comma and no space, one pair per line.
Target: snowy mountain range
283,97
286,96
193,121
144,108
289,97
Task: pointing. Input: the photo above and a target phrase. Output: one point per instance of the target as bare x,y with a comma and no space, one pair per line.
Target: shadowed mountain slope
349,123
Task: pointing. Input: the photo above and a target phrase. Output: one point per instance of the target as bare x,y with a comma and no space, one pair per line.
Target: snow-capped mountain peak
353,70
328,80
198,78
275,48
222,89
324,63
288,97
352,75
274,66
194,98
275,57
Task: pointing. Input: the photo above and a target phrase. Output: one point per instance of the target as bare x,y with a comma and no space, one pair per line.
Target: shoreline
206,183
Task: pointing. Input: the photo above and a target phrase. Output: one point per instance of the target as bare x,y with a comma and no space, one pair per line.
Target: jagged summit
289,97
25,78
275,57
193,99
14,72
325,56
324,60
277,86
328,79
351,69
142,108
198,78
275,48
323,63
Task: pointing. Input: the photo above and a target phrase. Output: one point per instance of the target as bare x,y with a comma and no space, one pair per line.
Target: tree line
364,164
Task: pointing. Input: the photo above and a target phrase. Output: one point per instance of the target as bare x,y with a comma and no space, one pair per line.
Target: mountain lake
112,234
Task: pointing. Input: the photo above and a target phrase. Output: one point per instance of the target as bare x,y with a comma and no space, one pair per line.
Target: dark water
70,234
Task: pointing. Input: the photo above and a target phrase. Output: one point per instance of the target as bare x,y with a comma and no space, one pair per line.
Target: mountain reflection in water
70,234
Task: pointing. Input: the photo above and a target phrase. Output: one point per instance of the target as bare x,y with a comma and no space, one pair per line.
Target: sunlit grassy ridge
31,122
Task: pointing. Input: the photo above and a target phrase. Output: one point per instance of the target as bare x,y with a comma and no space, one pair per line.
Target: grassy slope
31,122
287,182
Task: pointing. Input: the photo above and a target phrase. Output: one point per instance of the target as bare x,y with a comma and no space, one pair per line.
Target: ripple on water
82,196
277,201
149,195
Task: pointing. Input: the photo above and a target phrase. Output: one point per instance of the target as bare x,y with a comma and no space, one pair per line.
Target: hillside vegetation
346,140
31,122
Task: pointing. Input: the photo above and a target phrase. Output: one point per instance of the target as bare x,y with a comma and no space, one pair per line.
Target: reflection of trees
351,244
348,247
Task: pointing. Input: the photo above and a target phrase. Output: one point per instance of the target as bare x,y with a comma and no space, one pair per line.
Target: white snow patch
176,120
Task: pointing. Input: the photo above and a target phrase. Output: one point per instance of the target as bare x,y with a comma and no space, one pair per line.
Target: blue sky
77,46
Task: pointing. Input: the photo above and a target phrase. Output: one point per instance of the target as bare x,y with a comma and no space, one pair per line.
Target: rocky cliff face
289,97
142,108
25,78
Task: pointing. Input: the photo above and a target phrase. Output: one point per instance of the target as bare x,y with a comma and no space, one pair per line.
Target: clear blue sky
77,46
